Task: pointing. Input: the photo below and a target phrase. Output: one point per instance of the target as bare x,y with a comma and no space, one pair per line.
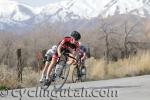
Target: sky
36,3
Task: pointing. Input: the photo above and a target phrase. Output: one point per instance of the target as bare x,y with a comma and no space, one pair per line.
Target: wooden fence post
19,65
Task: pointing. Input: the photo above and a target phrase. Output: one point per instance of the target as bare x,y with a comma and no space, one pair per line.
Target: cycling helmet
54,47
76,35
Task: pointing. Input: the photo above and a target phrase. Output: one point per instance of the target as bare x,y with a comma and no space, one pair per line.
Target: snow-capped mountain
87,9
14,13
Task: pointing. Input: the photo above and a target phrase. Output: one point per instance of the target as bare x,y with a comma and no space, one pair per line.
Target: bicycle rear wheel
83,74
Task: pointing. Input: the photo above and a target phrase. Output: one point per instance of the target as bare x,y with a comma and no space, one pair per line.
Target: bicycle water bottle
58,69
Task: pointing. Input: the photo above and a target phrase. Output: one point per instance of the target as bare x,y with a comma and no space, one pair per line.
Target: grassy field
132,66
97,69
8,78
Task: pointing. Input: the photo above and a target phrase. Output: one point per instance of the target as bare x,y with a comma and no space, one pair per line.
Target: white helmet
54,47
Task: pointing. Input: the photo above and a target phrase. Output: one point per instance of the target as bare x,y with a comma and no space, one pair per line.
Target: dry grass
95,69
137,65
8,78
30,78
133,66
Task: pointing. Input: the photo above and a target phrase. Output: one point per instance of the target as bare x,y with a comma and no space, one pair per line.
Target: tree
107,30
7,47
128,32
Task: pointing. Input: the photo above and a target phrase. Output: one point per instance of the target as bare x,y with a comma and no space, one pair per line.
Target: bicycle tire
74,75
83,76
63,78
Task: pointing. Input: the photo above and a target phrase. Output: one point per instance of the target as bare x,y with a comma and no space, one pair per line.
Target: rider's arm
84,56
59,48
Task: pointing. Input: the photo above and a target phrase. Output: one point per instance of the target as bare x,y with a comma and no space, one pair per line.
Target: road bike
79,72
59,73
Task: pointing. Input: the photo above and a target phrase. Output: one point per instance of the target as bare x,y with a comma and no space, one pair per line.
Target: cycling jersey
67,45
82,52
50,52
83,48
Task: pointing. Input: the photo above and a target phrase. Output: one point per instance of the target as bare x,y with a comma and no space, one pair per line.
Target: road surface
131,88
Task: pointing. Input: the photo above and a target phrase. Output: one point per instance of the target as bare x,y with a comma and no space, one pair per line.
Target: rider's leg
44,70
53,62
48,59
70,60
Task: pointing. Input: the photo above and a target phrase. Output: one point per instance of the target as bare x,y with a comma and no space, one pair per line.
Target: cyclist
48,57
82,53
69,45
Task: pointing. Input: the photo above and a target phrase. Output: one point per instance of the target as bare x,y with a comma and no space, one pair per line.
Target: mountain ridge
22,15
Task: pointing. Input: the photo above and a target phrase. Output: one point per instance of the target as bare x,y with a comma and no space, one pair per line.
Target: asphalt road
132,88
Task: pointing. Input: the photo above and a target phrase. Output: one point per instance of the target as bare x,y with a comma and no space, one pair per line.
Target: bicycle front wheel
75,75
61,80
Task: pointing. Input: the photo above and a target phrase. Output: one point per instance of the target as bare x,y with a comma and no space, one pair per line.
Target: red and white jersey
67,43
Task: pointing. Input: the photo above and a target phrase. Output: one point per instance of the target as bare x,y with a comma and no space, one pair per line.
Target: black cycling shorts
49,58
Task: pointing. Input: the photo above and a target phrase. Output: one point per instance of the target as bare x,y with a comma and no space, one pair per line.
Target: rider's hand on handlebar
74,62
